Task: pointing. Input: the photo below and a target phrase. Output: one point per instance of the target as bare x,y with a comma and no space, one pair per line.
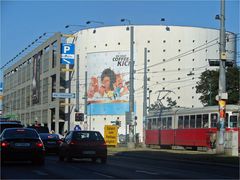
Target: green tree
208,86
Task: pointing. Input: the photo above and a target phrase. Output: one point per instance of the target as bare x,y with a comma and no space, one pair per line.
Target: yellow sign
111,134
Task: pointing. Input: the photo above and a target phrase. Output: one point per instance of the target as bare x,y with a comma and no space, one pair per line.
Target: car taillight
73,142
4,144
39,144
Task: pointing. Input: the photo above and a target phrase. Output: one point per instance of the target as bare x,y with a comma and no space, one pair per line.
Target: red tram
189,127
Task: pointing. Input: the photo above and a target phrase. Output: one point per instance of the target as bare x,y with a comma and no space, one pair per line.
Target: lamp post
97,22
131,143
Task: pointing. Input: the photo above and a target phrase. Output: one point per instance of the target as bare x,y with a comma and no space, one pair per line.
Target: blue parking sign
67,53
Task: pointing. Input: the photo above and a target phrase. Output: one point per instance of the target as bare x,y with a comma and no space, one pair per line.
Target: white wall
194,42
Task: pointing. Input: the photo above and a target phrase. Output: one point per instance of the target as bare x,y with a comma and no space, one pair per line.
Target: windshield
10,125
40,129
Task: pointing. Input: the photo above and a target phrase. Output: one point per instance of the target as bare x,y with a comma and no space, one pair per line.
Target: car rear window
10,125
87,136
20,133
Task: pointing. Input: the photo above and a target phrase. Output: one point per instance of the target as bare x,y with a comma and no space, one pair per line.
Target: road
119,167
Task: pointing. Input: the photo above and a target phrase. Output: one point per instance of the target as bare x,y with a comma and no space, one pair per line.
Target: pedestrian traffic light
79,116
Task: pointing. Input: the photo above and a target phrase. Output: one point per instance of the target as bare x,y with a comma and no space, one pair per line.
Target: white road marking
40,173
104,175
147,172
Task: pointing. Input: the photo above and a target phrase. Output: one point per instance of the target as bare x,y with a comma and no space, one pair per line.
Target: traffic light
79,116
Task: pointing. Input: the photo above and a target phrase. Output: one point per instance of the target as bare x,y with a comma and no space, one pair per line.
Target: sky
24,21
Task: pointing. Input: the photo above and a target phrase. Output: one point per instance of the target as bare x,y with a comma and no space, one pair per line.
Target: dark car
21,144
83,144
9,124
51,141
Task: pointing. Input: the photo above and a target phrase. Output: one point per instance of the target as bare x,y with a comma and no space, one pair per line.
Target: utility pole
222,94
131,143
145,96
85,96
77,85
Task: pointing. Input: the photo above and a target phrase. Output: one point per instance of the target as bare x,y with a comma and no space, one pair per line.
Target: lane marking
147,172
40,173
104,175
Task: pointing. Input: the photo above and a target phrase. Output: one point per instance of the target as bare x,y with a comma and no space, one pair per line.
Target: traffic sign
67,53
63,95
111,134
77,128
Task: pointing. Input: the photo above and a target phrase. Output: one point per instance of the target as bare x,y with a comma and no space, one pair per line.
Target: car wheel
61,158
94,160
103,160
69,157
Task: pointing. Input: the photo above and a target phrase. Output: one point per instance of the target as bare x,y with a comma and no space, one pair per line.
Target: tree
208,86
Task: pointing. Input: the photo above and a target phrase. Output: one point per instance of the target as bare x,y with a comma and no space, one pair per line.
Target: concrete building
177,56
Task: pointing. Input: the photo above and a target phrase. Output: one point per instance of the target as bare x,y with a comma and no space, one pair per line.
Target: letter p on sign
66,49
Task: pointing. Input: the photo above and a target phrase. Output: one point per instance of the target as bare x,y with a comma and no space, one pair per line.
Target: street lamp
98,22
67,26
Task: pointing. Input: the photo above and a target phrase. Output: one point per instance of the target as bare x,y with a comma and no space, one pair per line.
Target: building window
179,50
164,41
179,40
193,41
163,88
193,78
148,41
106,45
164,60
95,46
148,70
193,69
192,97
148,51
179,59
178,97
193,59
179,78
163,79
118,43
193,50
164,50
178,88
192,87
148,60
179,69
163,69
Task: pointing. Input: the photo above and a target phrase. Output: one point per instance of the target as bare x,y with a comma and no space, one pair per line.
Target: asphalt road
119,167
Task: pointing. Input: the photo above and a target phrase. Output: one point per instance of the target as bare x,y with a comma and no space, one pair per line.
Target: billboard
36,78
108,82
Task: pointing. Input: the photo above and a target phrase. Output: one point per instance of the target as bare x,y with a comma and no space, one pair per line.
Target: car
51,141
83,144
4,123
21,144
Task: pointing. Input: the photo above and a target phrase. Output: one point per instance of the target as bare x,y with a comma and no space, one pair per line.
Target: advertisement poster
36,78
108,82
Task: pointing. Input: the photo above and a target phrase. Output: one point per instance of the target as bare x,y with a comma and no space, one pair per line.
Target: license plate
22,144
51,142
89,152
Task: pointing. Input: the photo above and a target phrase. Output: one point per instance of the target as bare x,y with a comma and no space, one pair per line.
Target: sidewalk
177,155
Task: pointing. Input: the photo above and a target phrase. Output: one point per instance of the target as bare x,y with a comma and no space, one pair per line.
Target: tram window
169,123
226,120
214,119
205,121
199,121
192,121
180,122
149,124
186,122
233,121
159,123
164,123
154,124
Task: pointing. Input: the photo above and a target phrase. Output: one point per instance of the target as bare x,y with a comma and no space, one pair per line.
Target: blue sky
24,21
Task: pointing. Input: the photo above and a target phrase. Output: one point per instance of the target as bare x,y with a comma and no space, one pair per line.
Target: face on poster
108,77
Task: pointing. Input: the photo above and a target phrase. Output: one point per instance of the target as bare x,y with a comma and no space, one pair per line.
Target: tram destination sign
63,95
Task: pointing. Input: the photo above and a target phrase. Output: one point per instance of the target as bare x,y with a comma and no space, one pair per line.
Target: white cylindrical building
177,55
